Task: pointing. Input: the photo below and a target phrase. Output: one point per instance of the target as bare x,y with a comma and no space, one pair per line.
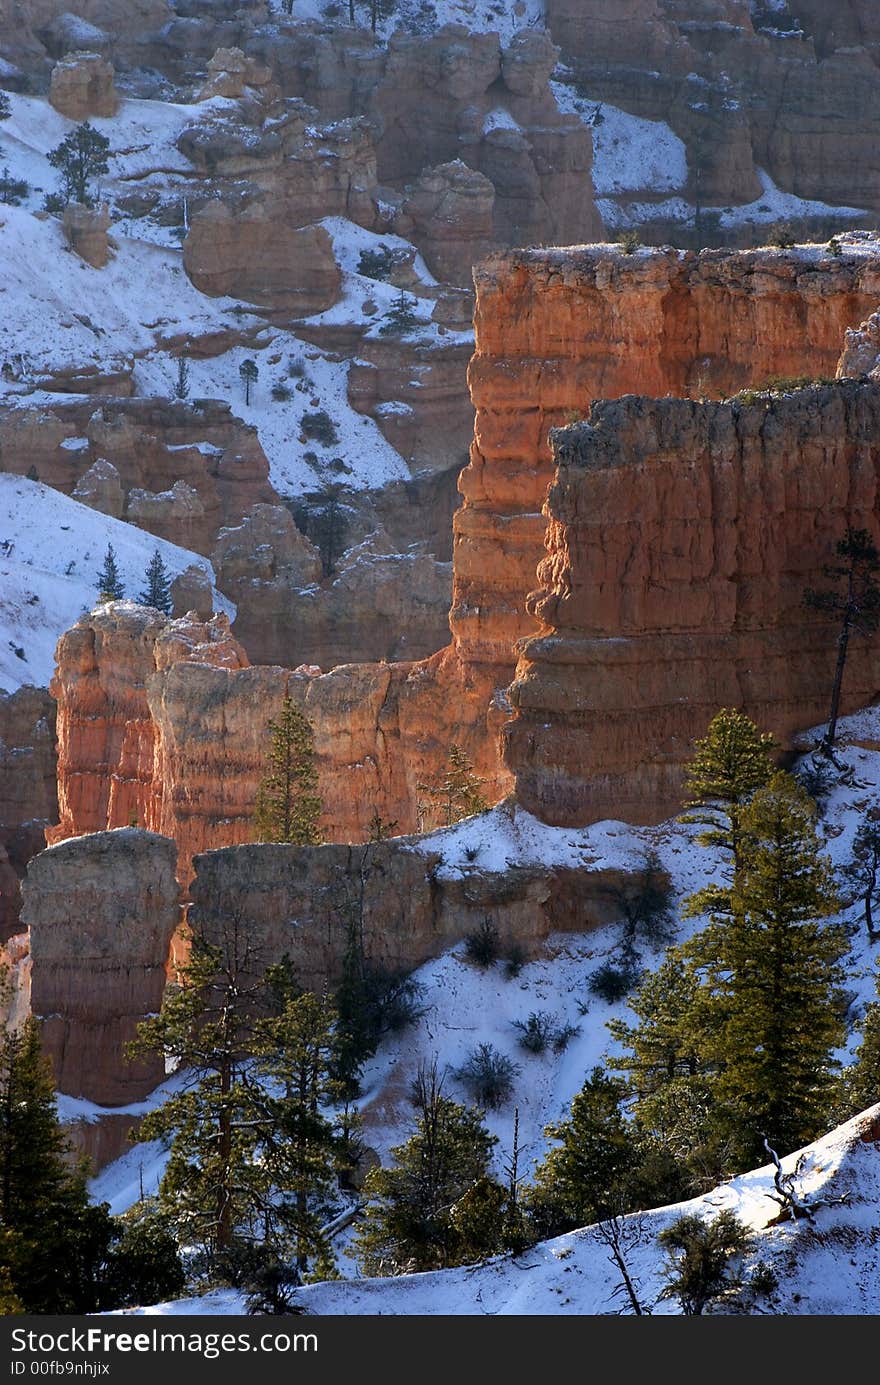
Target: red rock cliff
681,539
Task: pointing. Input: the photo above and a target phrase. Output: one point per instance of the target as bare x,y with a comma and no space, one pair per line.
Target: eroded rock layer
28,800
557,329
101,911
681,539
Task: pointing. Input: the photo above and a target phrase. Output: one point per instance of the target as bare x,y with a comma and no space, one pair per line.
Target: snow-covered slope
51,550
827,1265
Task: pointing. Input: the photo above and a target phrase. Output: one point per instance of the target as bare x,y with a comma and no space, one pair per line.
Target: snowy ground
504,17
51,550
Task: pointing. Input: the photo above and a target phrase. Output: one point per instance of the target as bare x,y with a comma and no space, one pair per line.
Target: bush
280,393
320,427
5,108
763,1278
482,947
514,961
700,1259
835,248
297,368
378,264
629,242
54,203
488,1076
816,776
781,234
542,1031
12,190
611,983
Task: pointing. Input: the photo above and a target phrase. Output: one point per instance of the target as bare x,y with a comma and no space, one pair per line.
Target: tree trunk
842,644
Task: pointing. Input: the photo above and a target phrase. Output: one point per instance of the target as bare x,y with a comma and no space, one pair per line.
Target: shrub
320,427
514,961
542,1031
781,234
482,947
700,1266
378,264
280,393
763,1278
297,368
816,776
488,1076
611,983
12,190
629,241
835,248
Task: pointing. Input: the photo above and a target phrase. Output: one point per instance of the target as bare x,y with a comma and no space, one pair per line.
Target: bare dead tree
794,1203
622,1234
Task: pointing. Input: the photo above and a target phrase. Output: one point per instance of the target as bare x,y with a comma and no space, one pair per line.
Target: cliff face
681,538
304,901
28,798
162,722
556,329
101,911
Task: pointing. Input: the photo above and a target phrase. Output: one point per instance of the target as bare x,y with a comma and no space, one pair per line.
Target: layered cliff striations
681,539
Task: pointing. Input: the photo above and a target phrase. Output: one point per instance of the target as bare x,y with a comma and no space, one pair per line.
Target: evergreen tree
585,1176
5,107
300,1146
730,763
665,1044
409,1223
249,372
862,872
81,156
458,794
772,1012
181,384
213,1187
157,592
109,582
863,1079
288,805
854,598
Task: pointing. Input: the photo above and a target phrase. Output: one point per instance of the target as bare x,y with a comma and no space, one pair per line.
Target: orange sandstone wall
681,539
559,328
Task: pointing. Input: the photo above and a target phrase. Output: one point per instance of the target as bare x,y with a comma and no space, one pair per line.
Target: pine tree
181,384
109,582
249,372
584,1177
458,794
855,599
288,805
299,1144
665,1044
863,1078
5,107
213,1187
157,592
772,979
863,870
730,763
81,156
409,1223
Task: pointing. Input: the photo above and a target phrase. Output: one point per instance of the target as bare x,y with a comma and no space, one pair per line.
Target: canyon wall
681,539
557,329
28,797
101,911
304,902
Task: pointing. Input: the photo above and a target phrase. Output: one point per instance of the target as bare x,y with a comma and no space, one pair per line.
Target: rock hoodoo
82,86
101,912
681,539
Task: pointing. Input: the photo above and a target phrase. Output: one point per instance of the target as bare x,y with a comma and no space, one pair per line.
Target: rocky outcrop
87,232
82,86
449,213
153,444
101,911
192,591
861,350
28,797
101,489
556,329
255,254
648,626
232,75
304,902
